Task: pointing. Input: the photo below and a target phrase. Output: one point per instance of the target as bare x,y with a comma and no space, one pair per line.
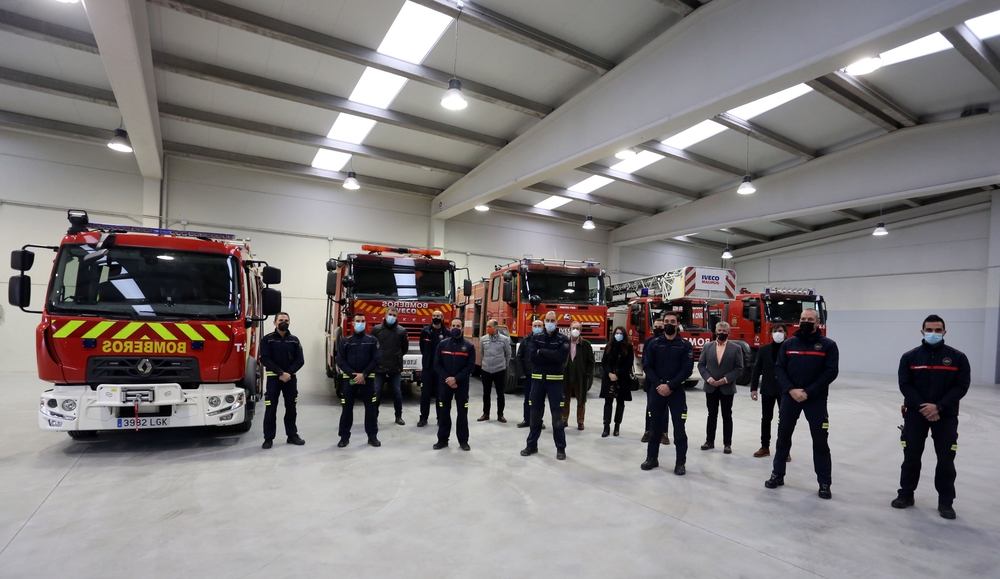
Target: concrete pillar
435,237
991,334
151,202
613,267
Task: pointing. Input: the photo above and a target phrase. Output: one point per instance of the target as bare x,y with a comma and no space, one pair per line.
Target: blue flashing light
644,292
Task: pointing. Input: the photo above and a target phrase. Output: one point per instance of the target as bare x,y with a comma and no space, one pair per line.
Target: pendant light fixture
589,223
352,178
746,187
119,142
880,229
727,253
482,208
453,99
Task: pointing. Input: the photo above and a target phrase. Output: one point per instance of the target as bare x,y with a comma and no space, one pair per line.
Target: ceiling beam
851,214
699,242
889,168
639,181
591,198
56,87
47,32
561,216
121,29
796,225
745,233
275,29
766,136
504,27
910,202
975,51
864,100
682,7
693,159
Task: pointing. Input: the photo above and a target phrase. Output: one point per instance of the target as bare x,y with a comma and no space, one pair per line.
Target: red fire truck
688,291
515,293
148,328
412,280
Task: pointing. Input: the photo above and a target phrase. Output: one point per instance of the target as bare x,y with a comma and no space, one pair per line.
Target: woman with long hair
616,381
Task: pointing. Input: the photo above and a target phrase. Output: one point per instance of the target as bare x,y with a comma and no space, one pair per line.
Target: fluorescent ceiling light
482,207
636,162
590,184
864,66
920,47
552,202
414,33
985,26
377,88
761,106
350,128
695,134
330,160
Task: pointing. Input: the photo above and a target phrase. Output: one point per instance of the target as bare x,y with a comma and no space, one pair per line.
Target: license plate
145,422
598,355
410,363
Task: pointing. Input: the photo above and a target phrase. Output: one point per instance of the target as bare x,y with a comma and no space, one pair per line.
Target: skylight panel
985,26
636,162
590,184
552,202
920,47
761,106
330,160
351,128
377,88
694,135
414,33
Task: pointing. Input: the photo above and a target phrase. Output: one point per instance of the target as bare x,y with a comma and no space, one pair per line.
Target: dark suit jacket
763,371
730,368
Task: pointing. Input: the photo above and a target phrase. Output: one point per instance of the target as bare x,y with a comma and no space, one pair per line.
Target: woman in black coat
763,378
616,382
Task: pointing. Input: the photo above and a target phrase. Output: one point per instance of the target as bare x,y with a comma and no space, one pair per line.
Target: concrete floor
202,503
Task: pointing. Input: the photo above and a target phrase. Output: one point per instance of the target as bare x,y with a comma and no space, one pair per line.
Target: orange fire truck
515,293
148,328
411,280
688,291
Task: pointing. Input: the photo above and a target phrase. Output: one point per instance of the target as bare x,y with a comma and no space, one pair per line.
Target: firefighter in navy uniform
933,377
281,356
667,361
807,364
454,362
548,352
357,356
430,339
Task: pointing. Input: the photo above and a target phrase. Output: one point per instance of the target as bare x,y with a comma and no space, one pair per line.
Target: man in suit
579,373
763,378
720,365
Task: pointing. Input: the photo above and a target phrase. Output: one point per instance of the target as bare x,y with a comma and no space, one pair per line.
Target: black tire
510,380
245,426
82,434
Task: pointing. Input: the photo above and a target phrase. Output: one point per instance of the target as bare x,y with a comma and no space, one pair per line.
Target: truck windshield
563,288
692,316
140,282
789,308
388,281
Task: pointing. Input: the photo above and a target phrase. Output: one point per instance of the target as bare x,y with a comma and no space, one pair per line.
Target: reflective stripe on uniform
546,376
826,425
954,448
267,403
684,416
903,442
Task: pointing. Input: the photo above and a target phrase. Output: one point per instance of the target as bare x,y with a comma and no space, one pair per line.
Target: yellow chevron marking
216,332
68,329
162,331
127,331
97,330
189,331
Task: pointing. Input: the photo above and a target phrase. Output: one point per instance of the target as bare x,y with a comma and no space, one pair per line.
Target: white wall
879,289
658,257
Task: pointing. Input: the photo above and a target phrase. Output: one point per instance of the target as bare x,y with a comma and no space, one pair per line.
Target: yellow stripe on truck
127,331
97,330
216,333
68,329
161,331
190,332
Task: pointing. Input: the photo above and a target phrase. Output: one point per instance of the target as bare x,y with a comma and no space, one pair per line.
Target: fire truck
414,281
517,292
687,291
148,328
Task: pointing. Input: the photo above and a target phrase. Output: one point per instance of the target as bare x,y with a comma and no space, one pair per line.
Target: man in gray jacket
394,344
720,365
496,358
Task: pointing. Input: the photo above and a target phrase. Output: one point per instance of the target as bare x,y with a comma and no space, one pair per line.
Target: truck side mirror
508,292
331,283
331,264
467,287
270,300
21,260
609,295
753,314
348,281
271,275
19,290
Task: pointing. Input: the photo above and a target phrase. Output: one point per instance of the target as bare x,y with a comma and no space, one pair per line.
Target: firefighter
665,439
667,363
281,356
807,364
357,356
548,352
430,337
496,358
537,327
579,374
933,377
454,363
395,344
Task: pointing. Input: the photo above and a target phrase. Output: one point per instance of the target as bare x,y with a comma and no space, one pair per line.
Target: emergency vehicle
414,281
148,328
687,291
517,292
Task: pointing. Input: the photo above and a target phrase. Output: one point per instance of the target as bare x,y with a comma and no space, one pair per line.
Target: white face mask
574,333
778,337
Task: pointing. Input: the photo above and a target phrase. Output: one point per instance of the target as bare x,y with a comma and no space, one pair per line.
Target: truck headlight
52,402
69,405
230,399
214,401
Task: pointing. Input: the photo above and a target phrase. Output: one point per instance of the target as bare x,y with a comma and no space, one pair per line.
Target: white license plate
145,422
598,355
411,363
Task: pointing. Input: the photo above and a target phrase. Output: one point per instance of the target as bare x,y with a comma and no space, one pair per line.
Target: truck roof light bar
801,291
111,228
401,250
558,262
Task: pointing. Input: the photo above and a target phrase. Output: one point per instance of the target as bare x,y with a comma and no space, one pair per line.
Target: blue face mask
390,320
359,327
933,339
619,337
550,327
536,330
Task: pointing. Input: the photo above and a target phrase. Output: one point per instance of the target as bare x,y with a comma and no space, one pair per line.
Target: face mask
807,327
436,321
390,320
550,327
491,331
778,337
657,331
359,327
574,333
283,326
536,330
932,338
456,332
619,337
669,329
722,337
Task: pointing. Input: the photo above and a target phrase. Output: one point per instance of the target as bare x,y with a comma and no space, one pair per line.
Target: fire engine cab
148,328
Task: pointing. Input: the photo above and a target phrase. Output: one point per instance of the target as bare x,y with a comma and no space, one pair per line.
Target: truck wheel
510,380
243,427
82,434
331,372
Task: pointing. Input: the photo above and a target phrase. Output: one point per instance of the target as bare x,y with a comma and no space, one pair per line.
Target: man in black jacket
395,344
764,378
932,377
281,356
454,363
667,363
524,364
807,364
657,332
357,356
548,351
430,338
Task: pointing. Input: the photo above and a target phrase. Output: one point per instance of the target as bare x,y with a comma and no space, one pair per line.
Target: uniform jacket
617,360
455,358
430,338
730,368
667,362
522,359
810,362
358,353
496,352
936,374
763,371
548,353
580,371
281,354
394,343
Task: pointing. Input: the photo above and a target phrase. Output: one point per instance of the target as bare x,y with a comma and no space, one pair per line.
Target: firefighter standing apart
430,338
933,377
395,344
281,356
357,356
548,352
667,362
455,361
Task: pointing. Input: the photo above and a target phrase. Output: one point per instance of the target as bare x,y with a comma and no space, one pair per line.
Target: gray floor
201,504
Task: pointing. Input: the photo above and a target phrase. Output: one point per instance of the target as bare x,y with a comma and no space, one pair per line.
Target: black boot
902,501
616,428
946,511
650,464
824,491
607,430
774,482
